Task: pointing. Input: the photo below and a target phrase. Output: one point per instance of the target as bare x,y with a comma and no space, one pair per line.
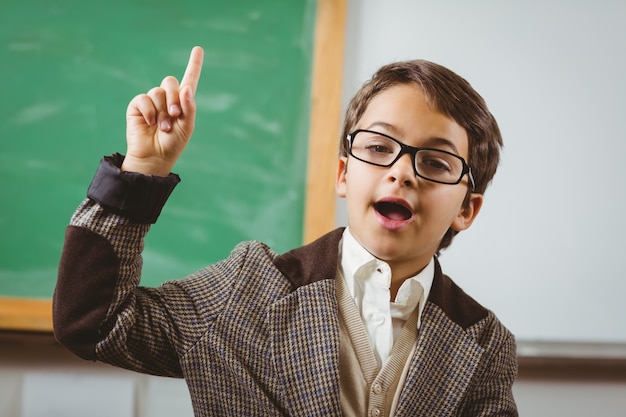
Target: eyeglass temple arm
471,178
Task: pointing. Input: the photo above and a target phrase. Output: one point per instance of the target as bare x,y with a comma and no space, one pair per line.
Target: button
377,388
375,412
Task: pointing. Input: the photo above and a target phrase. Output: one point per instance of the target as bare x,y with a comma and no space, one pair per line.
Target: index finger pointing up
194,68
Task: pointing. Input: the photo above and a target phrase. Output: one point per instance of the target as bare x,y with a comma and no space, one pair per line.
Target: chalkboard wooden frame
35,315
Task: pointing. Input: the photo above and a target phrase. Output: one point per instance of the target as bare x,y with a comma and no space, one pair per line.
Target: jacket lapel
304,335
442,367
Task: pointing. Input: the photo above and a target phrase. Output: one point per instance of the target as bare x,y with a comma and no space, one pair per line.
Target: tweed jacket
257,334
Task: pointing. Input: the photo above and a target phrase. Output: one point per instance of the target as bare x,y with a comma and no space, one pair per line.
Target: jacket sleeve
97,300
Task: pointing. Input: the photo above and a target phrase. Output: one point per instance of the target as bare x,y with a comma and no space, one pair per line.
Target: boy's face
406,239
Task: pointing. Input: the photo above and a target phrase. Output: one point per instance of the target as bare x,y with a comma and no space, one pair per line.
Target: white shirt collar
356,262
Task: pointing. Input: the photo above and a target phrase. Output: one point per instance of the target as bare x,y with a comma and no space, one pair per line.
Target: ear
340,184
468,212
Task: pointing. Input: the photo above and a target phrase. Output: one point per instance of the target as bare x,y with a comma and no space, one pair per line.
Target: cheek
359,188
355,179
444,205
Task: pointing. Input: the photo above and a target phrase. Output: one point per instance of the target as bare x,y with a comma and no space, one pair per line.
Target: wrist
145,166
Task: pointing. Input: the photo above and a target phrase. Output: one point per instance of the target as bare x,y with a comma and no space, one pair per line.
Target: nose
403,171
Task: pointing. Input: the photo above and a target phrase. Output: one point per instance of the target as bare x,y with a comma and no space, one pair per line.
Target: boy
360,322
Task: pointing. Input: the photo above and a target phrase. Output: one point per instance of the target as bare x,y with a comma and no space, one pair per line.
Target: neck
399,274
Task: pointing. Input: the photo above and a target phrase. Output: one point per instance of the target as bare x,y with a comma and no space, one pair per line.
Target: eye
374,148
376,144
379,147
436,162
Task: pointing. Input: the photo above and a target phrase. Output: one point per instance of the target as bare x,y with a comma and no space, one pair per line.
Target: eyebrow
435,141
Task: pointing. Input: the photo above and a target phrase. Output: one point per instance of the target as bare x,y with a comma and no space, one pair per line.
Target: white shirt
369,282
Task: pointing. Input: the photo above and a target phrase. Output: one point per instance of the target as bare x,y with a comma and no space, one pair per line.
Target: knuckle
155,92
169,81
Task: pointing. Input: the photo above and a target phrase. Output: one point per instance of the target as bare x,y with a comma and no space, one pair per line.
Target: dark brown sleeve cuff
130,194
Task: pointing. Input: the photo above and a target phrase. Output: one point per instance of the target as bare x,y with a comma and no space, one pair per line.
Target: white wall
545,252
558,398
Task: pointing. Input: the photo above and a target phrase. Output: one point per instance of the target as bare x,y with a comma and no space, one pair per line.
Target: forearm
97,272
97,288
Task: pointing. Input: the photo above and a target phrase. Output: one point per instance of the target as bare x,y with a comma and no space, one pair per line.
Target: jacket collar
313,262
318,261
453,301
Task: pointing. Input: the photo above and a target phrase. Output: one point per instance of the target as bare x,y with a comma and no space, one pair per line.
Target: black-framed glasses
431,164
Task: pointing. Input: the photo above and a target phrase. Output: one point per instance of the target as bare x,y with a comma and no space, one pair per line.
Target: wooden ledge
572,360
25,314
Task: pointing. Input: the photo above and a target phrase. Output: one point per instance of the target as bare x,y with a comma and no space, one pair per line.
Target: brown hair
448,93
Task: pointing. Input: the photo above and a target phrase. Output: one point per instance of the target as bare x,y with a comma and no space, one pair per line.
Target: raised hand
159,123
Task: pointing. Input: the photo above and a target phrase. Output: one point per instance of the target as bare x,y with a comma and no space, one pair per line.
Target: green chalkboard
69,69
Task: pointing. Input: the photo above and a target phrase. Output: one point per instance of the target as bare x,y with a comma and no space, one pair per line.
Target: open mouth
393,211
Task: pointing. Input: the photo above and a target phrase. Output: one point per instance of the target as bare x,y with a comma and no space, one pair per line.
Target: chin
385,251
